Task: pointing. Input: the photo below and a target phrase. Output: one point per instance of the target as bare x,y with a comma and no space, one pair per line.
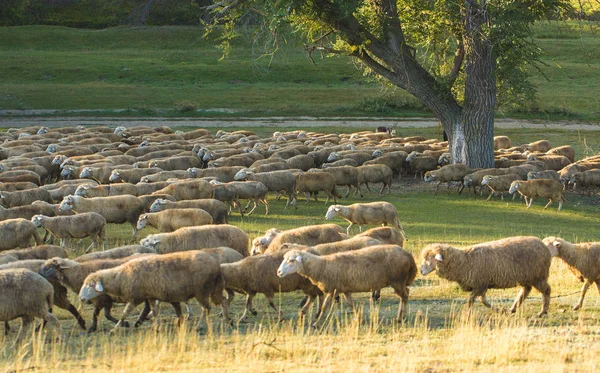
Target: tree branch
459,57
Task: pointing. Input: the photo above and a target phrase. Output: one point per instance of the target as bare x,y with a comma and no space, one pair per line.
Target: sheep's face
142,222
486,180
241,175
67,172
58,160
257,248
52,269
145,179
67,203
150,243
92,288
553,244
37,220
514,186
334,156
430,261
114,176
52,148
81,191
429,177
152,164
86,172
332,212
292,263
157,205
377,153
207,156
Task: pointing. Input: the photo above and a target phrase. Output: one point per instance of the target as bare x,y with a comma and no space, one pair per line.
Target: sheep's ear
336,208
556,244
99,287
299,258
439,257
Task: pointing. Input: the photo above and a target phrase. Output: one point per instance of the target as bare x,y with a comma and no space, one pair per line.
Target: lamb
311,182
106,190
217,209
26,295
545,188
196,238
375,173
369,269
583,259
499,184
173,219
309,235
172,278
71,274
24,197
116,209
115,253
188,189
447,174
87,224
498,264
367,214
275,181
258,274
501,142
17,233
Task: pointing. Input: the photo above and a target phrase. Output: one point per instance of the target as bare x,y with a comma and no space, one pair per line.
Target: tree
452,55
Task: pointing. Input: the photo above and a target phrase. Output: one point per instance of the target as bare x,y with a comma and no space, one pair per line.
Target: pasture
439,334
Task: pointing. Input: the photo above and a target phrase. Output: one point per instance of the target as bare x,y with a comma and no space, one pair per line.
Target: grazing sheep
116,209
254,191
367,214
585,180
387,235
314,182
37,252
541,146
473,180
369,269
553,162
173,219
71,274
87,224
545,188
188,189
24,197
258,274
308,235
196,238
115,253
447,174
501,142
565,151
419,163
17,233
217,209
499,184
375,173
275,181
583,259
27,295
260,244
566,173
501,264
106,190
172,278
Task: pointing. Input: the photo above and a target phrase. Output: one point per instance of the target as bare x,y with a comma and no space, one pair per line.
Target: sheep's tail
399,226
412,271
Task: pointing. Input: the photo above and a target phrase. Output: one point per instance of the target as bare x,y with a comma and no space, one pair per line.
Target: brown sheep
539,146
217,209
553,162
501,142
501,264
17,233
565,150
387,235
447,174
375,173
344,176
106,190
37,252
188,189
26,212
308,235
369,269
173,219
311,182
24,197
367,214
115,253
545,188
583,259
499,184
585,180
87,224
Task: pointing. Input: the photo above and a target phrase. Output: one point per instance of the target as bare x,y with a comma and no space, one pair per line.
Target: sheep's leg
350,301
438,187
6,328
348,229
327,199
128,309
155,312
253,208
544,288
484,300
548,204
52,323
26,322
348,192
367,185
326,304
109,317
530,201
135,232
523,293
248,308
273,306
584,290
143,315
307,195
310,300
403,292
63,242
177,308
94,320
501,196
560,205
205,310
266,203
490,196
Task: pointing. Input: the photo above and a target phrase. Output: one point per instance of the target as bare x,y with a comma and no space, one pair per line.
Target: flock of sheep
71,182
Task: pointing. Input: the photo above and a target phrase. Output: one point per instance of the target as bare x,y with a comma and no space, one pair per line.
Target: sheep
553,162
188,189
24,197
419,163
26,294
25,212
545,188
37,252
350,244
60,298
195,238
585,180
217,209
166,175
222,174
13,187
344,176
172,278
565,150
583,259
133,175
546,174
311,182
368,269
499,184
367,214
309,235
254,191
501,142
175,163
300,161
375,173
275,181
20,176
501,264
258,274
115,253
17,233
387,235
260,244
145,189
87,224
71,274
173,219
447,174
116,209
539,146
566,173
473,180
106,190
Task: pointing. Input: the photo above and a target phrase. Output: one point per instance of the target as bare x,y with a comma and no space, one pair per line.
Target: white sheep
367,214
88,224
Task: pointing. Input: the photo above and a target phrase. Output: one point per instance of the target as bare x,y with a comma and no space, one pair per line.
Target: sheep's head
67,203
445,159
207,156
2,198
57,160
82,190
431,256
86,172
52,268
332,212
142,221
115,176
37,220
554,244
430,176
52,148
158,205
92,288
43,130
193,171
145,179
514,186
143,144
152,164
532,157
150,243
377,153
292,263
67,172
333,156
486,179
241,174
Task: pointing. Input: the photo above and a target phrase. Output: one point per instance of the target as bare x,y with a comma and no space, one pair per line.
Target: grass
173,71
439,334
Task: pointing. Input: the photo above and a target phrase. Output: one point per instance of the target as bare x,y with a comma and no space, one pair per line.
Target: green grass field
175,69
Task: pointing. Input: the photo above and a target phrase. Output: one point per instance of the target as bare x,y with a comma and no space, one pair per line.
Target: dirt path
20,121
